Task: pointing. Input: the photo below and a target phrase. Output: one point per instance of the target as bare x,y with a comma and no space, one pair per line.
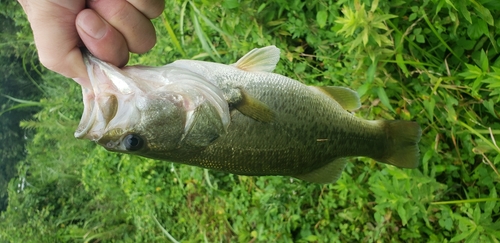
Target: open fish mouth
99,111
105,99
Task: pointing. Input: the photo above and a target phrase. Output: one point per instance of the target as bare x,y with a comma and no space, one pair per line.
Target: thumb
102,39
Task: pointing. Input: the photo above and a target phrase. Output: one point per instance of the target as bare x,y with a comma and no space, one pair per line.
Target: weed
436,62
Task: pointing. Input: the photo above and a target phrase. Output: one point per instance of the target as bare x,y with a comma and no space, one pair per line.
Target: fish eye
133,142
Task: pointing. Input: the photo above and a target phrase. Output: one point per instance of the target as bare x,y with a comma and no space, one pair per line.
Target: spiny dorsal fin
253,108
259,59
346,97
326,174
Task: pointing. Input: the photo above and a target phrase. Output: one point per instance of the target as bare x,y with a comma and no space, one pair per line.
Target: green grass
436,62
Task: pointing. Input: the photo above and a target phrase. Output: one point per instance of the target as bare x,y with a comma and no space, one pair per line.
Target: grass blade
172,35
169,236
205,43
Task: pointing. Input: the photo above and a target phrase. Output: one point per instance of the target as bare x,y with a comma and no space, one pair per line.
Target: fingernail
93,25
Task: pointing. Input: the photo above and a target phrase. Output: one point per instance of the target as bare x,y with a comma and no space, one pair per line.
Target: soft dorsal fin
259,59
329,173
346,97
253,108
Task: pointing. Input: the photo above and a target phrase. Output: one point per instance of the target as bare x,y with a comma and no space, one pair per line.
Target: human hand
109,29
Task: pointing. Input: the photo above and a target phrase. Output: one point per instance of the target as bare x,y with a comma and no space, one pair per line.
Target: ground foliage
434,61
17,79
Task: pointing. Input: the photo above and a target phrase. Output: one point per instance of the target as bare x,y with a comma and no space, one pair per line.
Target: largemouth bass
238,118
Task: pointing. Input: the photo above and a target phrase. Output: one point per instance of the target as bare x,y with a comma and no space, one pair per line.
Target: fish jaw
112,99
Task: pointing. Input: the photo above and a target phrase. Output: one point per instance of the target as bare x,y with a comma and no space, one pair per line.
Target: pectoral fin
326,174
251,107
346,97
259,59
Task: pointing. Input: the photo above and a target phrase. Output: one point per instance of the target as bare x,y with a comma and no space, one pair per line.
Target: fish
240,118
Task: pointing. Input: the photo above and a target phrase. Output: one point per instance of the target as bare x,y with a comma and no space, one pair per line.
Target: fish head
142,110
154,122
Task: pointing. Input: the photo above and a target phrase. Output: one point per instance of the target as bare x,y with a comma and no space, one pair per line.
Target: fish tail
402,148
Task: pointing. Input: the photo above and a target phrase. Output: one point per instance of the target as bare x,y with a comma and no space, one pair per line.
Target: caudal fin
402,150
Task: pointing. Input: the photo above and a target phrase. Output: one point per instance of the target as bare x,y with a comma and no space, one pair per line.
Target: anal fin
326,174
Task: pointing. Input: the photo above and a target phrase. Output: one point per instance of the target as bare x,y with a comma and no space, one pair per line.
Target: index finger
150,8
56,38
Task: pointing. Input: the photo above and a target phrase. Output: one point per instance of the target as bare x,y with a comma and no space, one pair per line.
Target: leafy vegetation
17,79
434,61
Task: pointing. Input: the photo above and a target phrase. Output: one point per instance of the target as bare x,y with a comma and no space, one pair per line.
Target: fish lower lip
88,116
85,126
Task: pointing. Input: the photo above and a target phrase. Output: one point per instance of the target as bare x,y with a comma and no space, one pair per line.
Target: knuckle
50,63
157,10
58,65
144,45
